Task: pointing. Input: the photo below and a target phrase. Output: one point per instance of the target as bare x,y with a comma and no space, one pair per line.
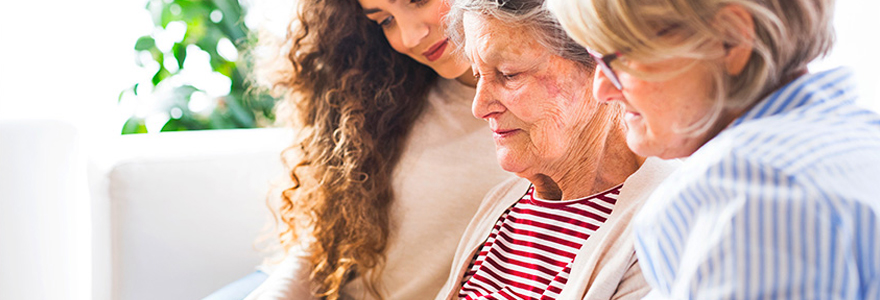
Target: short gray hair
530,15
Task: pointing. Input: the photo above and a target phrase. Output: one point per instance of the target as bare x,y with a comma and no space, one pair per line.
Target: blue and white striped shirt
783,204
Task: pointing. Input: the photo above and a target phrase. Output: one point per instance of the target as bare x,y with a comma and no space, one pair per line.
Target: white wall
44,212
69,60
857,45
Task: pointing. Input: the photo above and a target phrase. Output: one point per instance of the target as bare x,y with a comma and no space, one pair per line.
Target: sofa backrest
177,215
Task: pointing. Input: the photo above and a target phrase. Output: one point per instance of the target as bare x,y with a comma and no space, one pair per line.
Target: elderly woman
561,230
779,195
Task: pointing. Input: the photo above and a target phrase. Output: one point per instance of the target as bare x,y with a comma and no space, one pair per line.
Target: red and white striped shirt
529,252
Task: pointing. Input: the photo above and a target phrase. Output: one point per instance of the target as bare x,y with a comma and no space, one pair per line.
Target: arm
289,281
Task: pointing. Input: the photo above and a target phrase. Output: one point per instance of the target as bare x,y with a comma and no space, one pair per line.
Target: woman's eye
386,21
509,76
419,3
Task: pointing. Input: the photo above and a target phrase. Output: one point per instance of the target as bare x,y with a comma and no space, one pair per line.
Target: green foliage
177,89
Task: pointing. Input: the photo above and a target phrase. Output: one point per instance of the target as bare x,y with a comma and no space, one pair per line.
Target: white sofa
152,216
177,215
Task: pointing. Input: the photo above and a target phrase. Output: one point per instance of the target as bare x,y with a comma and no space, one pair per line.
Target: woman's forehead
492,37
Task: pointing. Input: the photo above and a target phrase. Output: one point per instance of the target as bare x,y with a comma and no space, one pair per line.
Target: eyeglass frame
604,63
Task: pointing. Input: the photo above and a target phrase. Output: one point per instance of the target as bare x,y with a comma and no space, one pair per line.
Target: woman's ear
739,33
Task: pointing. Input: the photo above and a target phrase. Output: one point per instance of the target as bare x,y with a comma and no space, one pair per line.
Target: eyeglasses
604,62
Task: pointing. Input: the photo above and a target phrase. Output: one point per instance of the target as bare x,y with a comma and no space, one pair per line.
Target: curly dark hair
353,99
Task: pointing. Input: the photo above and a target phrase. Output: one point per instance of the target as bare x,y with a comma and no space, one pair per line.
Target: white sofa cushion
184,210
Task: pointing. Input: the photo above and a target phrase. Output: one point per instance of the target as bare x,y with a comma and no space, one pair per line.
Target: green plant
199,79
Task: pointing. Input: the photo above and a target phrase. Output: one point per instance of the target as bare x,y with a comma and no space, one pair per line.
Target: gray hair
530,15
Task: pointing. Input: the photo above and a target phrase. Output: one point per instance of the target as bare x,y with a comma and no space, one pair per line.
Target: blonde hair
788,35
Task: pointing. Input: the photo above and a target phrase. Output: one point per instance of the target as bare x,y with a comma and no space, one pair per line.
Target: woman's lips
504,133
436,50
630,116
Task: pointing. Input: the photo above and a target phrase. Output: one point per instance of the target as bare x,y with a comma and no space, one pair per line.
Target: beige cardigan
606,265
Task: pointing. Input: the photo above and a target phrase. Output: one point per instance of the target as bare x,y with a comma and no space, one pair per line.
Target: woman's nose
485,103
412,31
603,89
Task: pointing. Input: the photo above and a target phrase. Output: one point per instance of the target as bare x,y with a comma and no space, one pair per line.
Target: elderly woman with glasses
778,197
561,230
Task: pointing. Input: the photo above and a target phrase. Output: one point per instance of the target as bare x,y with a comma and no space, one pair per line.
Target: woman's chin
509,162
664,150
640,145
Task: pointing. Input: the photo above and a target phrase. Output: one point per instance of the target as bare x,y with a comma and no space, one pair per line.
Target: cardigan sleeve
633,285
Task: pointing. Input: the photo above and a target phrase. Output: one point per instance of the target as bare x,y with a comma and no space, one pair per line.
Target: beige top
604,268
448,166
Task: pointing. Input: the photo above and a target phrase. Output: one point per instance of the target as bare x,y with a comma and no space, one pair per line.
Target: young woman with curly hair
389,166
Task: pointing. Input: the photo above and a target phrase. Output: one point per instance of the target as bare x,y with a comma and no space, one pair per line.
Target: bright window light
227,50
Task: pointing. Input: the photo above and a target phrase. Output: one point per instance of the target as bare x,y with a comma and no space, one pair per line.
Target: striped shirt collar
831,85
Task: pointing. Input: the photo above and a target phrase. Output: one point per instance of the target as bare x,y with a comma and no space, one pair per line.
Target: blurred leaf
132,89
220,120
232,24
185,123
160,75
185,91
145,43
158,56
165,16
174,125
134,125
227,68
179,51
242,116
238,80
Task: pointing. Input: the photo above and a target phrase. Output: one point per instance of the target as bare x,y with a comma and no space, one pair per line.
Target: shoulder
815,135
820,151
777,160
